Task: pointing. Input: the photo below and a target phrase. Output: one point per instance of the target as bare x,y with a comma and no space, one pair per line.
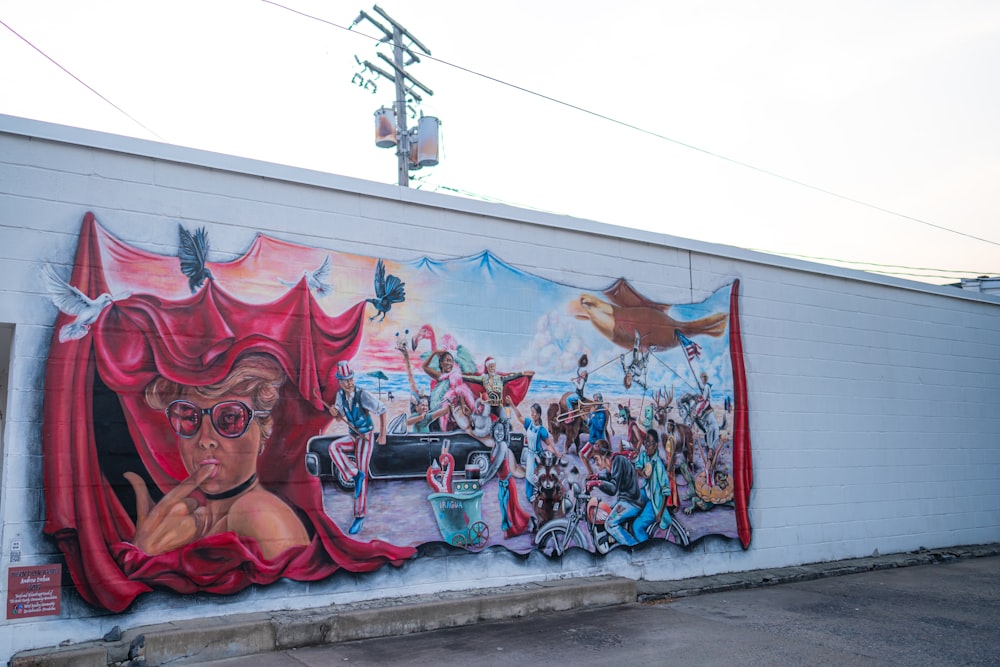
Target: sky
855,133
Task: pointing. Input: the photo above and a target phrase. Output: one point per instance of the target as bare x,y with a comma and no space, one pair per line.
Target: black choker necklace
235,491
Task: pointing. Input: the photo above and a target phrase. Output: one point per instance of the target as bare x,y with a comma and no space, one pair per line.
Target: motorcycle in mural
297,411
584,526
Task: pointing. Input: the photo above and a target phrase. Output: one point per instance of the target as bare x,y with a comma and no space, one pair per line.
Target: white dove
317,280
72,301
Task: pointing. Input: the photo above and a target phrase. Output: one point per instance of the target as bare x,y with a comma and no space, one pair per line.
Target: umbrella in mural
380,376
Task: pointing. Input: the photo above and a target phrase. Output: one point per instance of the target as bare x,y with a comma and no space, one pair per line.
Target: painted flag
691,348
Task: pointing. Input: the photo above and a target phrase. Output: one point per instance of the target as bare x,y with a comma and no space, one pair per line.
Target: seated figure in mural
421,419
617,477
656,487
221,431
577,397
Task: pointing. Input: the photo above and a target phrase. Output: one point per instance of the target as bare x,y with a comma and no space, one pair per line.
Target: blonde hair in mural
257,376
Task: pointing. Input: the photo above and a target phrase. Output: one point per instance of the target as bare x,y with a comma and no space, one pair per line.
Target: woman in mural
221,431
421,419
514,518
448,371
536,437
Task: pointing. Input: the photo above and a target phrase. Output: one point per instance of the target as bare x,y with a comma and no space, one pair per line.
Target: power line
501,201
663,137
488,198
850,261
951,273
81,82
561,103
718,155
915,275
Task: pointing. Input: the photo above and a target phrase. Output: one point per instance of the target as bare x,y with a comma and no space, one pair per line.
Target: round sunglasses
231,419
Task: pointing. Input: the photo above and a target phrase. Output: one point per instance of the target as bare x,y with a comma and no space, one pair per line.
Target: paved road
943,614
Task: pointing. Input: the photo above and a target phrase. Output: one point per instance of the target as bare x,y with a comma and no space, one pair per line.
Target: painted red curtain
742,460
191,340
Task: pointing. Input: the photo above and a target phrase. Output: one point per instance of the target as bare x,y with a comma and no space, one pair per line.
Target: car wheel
346,483
480,459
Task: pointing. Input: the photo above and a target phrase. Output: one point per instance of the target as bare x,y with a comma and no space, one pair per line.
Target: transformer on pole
416,147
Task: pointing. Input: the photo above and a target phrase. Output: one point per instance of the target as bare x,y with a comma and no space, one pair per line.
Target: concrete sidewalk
655,590
203,640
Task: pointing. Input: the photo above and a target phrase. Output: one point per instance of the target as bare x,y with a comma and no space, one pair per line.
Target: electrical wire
495,200
888,266
657,135
915,275
81,81
576,108
950,273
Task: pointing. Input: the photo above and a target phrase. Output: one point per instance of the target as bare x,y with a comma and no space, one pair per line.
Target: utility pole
413,151
403,152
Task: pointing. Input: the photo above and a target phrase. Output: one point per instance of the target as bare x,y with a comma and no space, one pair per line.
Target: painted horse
564,421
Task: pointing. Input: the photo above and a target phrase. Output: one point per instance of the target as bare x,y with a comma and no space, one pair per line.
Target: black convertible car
408,455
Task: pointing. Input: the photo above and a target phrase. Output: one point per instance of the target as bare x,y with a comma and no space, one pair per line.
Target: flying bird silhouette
627,314
193,254
318,280
72,301
388,290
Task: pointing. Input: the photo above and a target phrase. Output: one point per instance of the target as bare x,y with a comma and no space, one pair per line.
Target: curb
217,638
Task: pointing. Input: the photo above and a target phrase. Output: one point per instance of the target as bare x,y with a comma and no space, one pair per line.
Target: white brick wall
874,416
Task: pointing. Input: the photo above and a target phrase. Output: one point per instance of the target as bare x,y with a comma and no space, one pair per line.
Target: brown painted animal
549,492
683,440
661,406
570,427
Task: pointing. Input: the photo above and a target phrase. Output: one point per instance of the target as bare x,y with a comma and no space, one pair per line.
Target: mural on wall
298,411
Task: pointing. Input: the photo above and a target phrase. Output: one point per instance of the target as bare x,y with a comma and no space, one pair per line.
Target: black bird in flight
388,290
193,254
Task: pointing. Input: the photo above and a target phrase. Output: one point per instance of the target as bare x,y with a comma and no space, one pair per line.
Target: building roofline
36,129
